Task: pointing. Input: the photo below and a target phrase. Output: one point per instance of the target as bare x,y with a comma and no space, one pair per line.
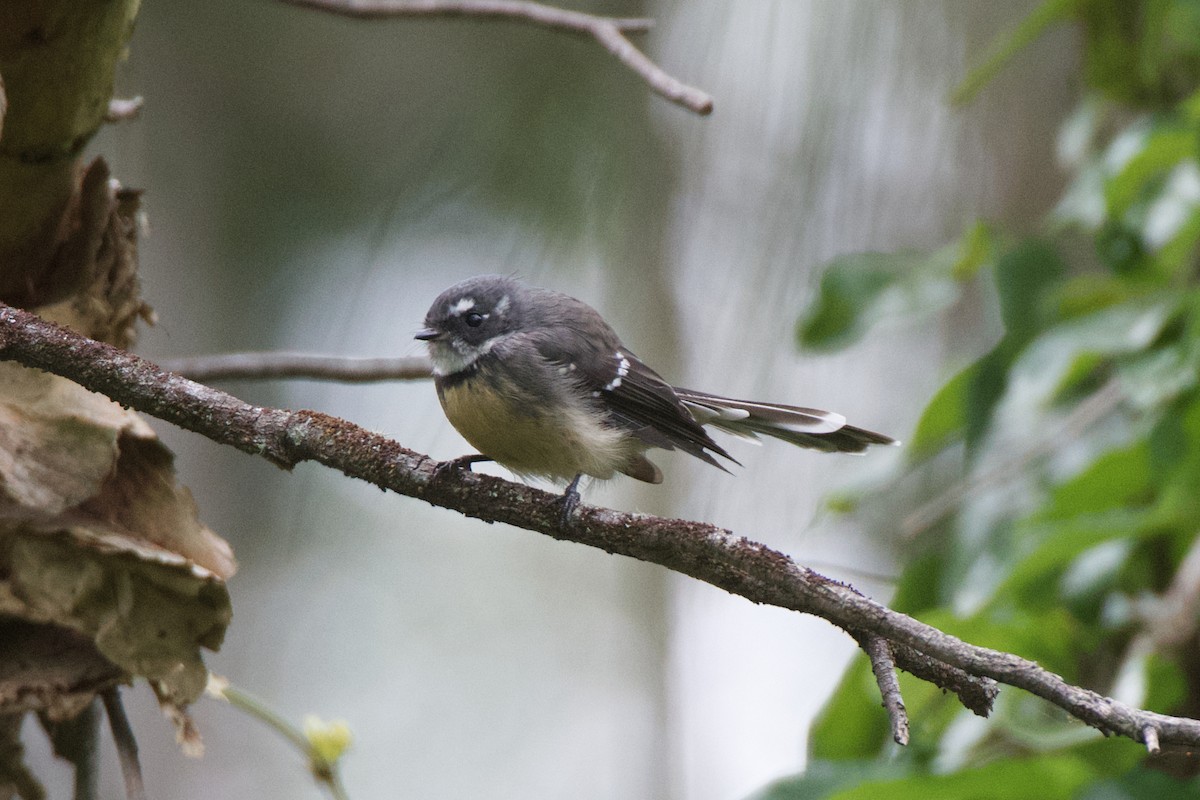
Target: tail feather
804,427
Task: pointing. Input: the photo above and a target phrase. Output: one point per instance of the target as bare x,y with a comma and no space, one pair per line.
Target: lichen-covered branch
705,552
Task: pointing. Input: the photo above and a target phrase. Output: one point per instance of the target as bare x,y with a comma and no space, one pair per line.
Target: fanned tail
804,427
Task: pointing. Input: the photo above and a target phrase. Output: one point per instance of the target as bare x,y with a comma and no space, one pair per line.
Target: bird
540,383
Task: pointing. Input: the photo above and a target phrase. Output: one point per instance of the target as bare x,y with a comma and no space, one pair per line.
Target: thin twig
124,110
127,749
702,551
265,366
1150,739
608,31
324,771
86,755
880,654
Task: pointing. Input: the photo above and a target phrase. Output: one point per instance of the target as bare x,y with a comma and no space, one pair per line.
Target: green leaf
945,418
1025,276
1007,46
859,290
1175,456
1147,153
853,724
1053,548
975,250
1085,294
1142,784
1142,54
919,587
986,383
848,288
821,779
1178,253
1051,777
1117,479
1050,367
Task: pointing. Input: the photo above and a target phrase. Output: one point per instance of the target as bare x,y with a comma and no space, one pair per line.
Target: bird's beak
428,334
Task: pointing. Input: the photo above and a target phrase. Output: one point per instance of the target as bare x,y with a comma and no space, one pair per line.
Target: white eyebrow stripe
464,305
503,305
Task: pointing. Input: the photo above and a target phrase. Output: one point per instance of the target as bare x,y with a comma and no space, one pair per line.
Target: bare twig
705,552
262,366
127,750
85,753
124,109
325,770
1150,739
76,739
880,654
608,31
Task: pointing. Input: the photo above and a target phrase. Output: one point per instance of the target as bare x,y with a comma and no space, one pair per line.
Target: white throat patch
449,358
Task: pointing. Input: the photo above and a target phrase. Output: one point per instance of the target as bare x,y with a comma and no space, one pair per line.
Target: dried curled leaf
104,564
97,537
70,458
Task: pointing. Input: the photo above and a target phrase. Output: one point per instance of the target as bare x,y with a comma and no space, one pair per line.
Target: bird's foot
459,464
569,502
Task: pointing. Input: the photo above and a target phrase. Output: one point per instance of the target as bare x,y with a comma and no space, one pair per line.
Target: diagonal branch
705,552
609,32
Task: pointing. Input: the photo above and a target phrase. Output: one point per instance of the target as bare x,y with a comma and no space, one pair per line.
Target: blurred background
312,183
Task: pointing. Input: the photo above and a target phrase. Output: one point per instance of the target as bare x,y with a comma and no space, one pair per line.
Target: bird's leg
570,501
456,464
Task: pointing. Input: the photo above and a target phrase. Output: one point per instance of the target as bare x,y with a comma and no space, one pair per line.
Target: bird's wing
634,396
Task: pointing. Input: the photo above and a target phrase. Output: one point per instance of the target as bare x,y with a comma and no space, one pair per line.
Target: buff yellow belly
535,444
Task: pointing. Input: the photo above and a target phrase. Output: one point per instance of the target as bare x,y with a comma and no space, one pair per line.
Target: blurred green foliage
1062,467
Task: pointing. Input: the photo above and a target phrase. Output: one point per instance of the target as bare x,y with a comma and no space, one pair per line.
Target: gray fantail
538,382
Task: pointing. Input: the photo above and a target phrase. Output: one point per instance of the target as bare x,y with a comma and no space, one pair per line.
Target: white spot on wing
622,371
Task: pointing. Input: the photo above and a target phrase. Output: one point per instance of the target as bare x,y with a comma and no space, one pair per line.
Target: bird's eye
474,319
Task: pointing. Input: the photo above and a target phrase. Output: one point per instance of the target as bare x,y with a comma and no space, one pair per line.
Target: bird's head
467,320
